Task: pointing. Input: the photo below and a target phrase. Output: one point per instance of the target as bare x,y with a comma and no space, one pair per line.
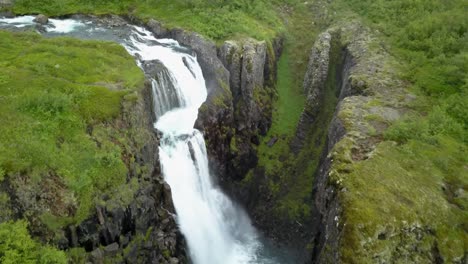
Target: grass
287,110
215,20
290,98
57,134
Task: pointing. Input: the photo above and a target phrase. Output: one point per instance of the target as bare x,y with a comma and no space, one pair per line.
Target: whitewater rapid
216,230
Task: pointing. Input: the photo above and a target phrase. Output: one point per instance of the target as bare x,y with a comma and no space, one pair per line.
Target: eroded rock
314,88
41,19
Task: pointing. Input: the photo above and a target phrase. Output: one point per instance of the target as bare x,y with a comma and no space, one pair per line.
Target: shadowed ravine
215,228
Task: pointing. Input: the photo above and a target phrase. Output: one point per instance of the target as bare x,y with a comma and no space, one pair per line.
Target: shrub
16,246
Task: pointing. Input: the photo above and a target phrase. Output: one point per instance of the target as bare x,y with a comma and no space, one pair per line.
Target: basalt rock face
144,231
314,88
355,140
247,62
240,78
216,115
323,73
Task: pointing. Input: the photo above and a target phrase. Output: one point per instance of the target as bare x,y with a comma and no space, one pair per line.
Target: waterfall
215,229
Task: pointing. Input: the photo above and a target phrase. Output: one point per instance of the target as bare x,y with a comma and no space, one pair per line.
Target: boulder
156,27
41,19
174,261
111,249
97,256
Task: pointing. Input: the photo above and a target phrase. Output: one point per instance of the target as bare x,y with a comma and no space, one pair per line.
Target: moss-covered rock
79,156
377,199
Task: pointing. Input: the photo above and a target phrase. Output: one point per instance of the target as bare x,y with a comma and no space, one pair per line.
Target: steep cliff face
314,88
144,230
367,213
353,94
240,77
241,80
94,188
248,63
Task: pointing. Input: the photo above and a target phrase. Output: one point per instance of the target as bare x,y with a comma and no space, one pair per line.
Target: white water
54,25
216,230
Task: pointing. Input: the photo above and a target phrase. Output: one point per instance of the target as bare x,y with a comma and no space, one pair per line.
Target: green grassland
59,146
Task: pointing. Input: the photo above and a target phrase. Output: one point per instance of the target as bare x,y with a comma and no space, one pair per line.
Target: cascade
216,229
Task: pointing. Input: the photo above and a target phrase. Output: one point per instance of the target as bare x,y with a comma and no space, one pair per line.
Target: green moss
374,102
137,241
262,97
77,255
230,56
249,177
220,101
225,86
5,209
222,98
378,202
123,195
203,108
292,175
166,253
57,110
2,174
148,234
233,145
249,66
374,117
290,99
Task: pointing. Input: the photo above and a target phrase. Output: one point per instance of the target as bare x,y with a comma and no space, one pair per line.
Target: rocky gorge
333,199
